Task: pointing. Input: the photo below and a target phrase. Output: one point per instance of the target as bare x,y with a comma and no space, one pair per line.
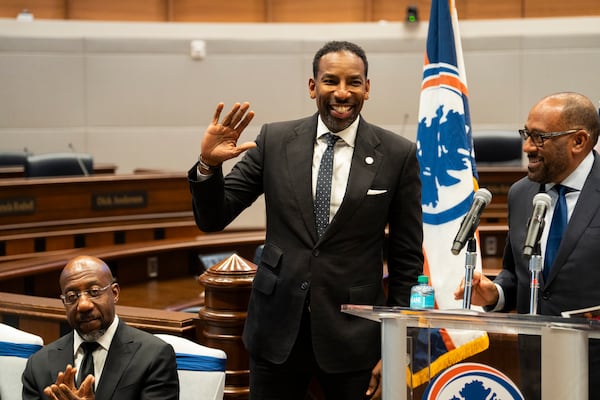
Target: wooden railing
45,317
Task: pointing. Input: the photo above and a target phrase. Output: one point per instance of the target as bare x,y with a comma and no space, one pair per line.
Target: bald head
83,265
90,295
576,111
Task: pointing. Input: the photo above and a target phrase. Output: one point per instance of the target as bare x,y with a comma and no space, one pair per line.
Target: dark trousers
290,380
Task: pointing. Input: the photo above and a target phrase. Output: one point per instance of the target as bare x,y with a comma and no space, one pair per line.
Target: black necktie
557,228
323,190
87,365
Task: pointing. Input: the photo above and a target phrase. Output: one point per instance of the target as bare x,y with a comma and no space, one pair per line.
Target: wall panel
318,11
219,11
49,9
545,8
396,10
287,10
118,10
486,9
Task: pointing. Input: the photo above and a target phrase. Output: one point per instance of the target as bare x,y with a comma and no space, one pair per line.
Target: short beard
93,336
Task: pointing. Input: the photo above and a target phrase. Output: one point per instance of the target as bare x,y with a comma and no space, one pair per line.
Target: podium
564,343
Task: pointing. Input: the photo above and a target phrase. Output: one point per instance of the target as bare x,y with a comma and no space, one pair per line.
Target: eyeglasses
72,297
538,138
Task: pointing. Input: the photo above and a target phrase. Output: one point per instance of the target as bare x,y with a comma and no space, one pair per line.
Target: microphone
481,199
535,226
81,164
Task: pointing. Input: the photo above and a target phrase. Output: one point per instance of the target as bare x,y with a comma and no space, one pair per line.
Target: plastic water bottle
422,295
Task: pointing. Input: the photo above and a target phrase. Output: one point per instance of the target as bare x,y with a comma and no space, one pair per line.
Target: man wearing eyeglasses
123,362
558,139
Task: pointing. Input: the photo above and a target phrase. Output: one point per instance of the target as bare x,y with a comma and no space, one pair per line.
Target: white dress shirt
342,159
99,354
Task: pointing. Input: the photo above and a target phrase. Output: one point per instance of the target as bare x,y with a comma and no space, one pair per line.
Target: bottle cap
423,279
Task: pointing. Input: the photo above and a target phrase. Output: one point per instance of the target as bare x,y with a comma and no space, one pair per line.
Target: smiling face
90,317
559,156
340,89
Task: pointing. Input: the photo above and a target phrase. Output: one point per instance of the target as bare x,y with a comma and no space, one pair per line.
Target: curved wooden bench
169,259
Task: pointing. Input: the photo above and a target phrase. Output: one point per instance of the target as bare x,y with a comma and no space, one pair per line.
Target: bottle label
428,301
416,300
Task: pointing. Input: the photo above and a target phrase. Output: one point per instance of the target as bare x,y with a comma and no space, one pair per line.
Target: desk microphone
79,161
481,199
535,226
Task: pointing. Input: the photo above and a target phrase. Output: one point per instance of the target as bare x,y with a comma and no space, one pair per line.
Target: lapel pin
369,160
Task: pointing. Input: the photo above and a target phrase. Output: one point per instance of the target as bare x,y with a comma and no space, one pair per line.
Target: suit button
316,252
305,285
546,295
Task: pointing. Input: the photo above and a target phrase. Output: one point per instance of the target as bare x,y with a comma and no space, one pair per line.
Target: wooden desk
498,180
18,171
26,203
47,214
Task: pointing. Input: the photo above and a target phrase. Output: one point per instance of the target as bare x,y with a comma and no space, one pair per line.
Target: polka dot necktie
557,228
323,190
87,365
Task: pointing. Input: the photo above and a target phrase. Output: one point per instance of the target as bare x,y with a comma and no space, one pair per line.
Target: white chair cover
15,348
201,369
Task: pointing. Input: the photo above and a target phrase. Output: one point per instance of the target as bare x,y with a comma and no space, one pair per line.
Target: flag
449,181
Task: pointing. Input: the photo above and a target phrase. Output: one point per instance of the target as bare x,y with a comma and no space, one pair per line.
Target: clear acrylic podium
564,350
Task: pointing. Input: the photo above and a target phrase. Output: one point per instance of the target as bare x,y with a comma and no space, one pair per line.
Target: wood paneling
486,9
545,8
48,9
318,11
396,10
219,11
287,10
118,10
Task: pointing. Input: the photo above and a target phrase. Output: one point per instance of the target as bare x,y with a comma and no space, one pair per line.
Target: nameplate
113,200
17,206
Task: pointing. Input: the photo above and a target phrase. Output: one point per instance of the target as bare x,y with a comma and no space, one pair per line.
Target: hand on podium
484,290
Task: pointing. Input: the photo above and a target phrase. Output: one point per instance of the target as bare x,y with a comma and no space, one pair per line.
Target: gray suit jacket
346,264
574,279
138,366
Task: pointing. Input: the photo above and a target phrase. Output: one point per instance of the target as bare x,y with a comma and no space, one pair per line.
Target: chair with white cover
201,369
15,348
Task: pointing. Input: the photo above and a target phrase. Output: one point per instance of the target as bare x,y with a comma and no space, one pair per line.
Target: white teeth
341,109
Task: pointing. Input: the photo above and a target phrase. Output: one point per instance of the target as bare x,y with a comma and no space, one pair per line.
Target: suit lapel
585,209
118,358
299,149
365,163
62,355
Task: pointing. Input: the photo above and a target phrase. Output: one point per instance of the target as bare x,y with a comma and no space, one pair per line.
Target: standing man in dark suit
559,137
294,328
127,363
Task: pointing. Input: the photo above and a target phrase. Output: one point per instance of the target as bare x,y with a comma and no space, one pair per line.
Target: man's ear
581,140
311,88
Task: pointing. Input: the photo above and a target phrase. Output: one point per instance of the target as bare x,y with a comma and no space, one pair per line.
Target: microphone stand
536,263
470,261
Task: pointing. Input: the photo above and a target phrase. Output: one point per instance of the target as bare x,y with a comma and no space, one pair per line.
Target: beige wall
130,94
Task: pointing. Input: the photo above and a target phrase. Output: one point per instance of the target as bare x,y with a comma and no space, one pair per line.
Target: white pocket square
374,192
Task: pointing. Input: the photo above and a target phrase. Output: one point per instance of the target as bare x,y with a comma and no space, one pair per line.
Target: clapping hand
64,387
